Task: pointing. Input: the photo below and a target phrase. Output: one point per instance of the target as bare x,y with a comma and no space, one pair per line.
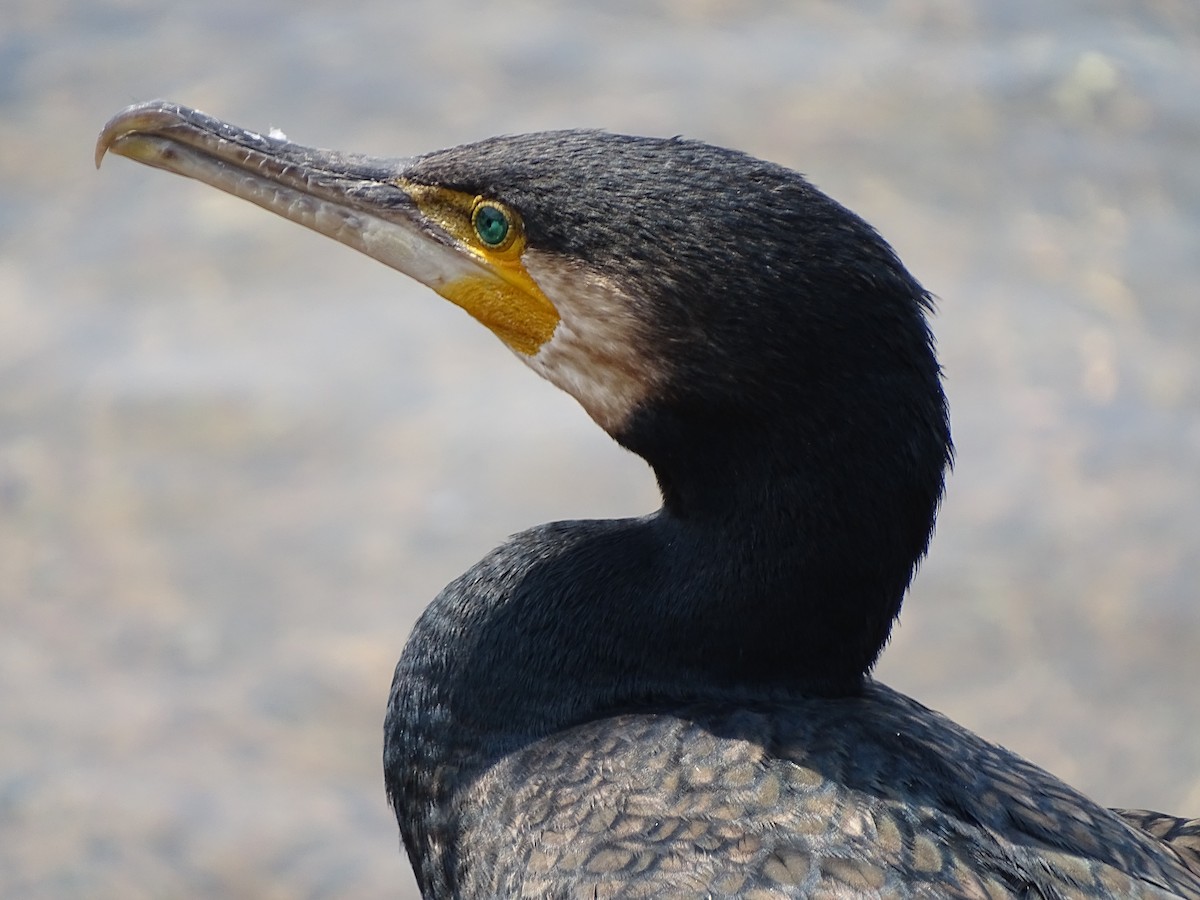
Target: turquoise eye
491,224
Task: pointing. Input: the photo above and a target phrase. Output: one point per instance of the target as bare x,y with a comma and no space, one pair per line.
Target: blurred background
237,459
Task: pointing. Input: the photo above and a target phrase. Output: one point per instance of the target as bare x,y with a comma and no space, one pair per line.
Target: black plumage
680,704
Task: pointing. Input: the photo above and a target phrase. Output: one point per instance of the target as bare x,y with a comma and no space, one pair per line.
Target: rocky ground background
236,459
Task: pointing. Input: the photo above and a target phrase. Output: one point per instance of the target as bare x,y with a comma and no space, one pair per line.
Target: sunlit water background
237,459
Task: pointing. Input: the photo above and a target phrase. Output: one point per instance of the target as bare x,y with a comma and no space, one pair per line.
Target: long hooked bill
361,201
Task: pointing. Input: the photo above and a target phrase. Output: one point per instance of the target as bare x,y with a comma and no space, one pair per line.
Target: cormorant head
761,346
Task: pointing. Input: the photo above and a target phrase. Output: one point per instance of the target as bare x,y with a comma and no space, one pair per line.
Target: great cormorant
680,705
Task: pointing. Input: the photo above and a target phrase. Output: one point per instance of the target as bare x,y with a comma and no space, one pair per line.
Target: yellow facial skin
511,305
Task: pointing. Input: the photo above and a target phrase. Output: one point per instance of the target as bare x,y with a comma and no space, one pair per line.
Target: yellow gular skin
506,299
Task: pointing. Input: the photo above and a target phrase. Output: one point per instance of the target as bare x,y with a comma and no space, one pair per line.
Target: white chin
596,352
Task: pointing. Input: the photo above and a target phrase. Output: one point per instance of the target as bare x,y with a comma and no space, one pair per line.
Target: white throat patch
597,353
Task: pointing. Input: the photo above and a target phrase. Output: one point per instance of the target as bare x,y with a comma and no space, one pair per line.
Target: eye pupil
491,224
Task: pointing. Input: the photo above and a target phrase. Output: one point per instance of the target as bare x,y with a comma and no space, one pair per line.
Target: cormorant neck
809,519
